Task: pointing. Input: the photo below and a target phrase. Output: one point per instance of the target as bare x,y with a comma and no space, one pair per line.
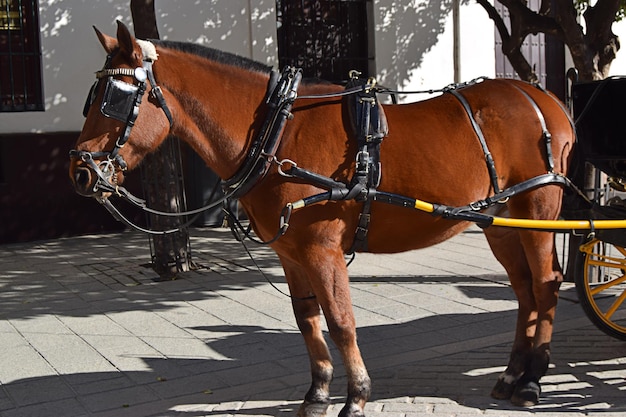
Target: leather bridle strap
545,133
108,159
157,92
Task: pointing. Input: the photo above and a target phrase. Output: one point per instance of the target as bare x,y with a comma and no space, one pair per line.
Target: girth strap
370,126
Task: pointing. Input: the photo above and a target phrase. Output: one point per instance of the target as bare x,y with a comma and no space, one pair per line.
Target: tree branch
511,43
497,19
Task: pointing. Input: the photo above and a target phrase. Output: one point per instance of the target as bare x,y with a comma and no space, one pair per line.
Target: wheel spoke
608,261
621,250
616,305
607,285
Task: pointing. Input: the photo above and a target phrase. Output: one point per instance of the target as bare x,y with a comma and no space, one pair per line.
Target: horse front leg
307,312
328,280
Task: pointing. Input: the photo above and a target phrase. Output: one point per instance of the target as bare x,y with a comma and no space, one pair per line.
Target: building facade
405,44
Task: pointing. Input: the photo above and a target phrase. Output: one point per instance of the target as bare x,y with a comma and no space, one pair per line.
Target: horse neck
216,107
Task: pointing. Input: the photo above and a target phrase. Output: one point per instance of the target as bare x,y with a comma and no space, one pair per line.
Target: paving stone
87,330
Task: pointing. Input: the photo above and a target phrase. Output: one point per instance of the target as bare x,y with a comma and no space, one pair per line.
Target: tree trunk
161,175
592,50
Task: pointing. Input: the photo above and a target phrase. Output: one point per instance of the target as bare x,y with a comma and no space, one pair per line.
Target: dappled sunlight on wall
71,52
410,29
415,45
244,27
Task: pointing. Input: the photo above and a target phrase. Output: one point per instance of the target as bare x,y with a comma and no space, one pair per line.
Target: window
20,56
326,38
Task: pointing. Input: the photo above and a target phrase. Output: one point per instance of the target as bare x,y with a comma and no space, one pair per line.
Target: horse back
431,153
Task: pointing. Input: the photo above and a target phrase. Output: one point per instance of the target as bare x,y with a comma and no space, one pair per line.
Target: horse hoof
308,409
526,394
351,411
502,390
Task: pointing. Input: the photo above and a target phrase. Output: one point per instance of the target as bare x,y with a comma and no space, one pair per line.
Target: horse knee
342,332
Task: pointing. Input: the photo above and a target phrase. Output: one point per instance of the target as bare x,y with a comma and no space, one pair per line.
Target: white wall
412,40
415,44
72,53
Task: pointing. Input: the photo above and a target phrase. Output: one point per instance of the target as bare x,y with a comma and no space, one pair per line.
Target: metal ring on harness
289,162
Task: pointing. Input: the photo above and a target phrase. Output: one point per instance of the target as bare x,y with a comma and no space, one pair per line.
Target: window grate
21,87
326,38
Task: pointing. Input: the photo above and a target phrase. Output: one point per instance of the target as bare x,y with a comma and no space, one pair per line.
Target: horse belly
395,229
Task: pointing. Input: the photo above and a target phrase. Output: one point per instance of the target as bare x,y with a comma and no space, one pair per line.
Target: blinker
116,101
119,99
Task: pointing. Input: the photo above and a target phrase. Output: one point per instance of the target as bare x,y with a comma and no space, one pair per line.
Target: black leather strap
545,133
264,147
491,166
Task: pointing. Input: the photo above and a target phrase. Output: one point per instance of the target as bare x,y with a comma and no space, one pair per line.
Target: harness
282,92
121,101
370,125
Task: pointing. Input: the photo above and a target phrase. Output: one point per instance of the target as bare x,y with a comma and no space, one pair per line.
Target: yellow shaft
541,224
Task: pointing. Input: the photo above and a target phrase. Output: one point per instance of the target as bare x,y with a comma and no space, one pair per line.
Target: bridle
121,102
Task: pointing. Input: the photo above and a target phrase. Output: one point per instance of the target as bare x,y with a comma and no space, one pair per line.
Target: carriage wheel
601,286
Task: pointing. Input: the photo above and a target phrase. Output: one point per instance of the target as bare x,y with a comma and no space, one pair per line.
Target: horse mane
214,55
228,58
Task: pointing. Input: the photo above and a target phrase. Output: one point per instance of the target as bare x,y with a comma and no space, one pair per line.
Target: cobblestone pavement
86,329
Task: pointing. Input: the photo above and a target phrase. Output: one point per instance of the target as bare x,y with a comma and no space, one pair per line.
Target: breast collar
282,92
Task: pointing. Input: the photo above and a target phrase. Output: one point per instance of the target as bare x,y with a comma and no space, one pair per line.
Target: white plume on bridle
148,49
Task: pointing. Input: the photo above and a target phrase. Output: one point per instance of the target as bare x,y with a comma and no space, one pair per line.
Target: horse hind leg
506,247
530,261
540,250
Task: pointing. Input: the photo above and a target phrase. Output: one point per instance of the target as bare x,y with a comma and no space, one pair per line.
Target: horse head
126,116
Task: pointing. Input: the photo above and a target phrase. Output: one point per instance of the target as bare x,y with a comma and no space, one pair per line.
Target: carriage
323,170
598,259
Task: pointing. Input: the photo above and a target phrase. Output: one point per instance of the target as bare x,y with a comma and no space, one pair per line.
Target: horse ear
128,46
109,43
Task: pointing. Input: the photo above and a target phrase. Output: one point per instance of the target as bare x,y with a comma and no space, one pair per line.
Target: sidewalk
85,330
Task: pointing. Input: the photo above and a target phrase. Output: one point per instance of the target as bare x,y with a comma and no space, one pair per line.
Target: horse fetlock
539,361
359,389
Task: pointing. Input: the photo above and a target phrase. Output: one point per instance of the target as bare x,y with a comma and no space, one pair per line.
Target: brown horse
216,102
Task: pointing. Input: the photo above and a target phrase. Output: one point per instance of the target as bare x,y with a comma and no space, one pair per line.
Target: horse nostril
82,180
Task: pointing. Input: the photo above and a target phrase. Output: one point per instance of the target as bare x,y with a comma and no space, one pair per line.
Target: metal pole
456,40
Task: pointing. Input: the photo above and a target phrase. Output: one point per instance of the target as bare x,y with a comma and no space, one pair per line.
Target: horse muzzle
93,178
